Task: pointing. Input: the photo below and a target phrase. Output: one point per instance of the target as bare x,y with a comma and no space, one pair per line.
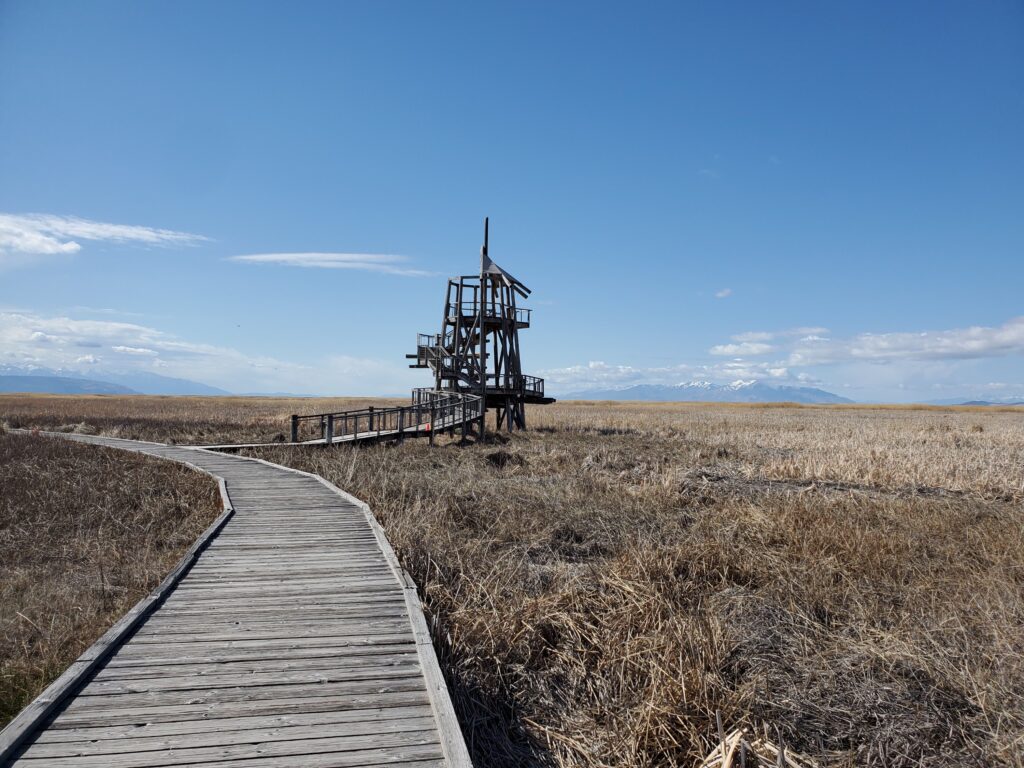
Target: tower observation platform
477,350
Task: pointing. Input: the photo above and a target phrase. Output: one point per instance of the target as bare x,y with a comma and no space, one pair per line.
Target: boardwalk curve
289,636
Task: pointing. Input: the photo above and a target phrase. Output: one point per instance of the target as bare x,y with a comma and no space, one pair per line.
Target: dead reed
843,583
186,420
608,584
85,532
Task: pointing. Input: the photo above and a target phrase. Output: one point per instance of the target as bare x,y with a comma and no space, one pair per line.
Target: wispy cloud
873,361
138,351
742,348
954,344
601,375
31,237
101,311
755,343
724,293
29,339
368,262
788,333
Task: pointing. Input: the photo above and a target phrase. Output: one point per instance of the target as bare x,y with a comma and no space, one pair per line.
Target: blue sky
817,193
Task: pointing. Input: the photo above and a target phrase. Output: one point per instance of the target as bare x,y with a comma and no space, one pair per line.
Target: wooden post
431,423
401,425
295,428
370,427
330,429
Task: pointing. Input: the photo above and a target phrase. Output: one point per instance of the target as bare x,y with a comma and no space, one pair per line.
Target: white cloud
138,351
31,237
28,338
954,344
724,293
368,262
601,375
881,363
743,348
773,335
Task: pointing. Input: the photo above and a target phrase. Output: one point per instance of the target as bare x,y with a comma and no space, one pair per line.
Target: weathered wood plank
226,737
268,749
246,667
207,711
234,724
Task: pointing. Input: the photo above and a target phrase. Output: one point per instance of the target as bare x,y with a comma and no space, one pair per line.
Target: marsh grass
185,420
85,532
607,585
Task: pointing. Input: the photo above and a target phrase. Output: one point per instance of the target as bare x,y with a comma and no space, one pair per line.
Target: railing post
330,429
370,428
295,428
431,423
401,425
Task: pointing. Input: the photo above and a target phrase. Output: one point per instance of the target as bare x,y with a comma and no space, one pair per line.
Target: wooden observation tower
477,350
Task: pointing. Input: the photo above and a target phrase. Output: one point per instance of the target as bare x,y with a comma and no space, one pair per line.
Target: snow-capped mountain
705,391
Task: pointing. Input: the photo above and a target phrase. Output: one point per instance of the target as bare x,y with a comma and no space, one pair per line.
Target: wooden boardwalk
293,640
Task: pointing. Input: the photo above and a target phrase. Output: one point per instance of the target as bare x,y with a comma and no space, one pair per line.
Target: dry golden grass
85,532
851,579
186,420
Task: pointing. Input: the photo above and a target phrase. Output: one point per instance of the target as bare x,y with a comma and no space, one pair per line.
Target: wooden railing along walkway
429,413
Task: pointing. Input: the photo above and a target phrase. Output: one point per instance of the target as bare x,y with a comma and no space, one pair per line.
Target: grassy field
85,532
610,582
186,420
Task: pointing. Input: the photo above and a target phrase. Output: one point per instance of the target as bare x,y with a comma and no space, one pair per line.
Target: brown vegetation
85,532
604,585
186,420
852,580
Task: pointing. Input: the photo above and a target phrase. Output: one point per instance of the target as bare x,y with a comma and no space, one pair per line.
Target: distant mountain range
97,382
705,391
1006,400
993,402
61,385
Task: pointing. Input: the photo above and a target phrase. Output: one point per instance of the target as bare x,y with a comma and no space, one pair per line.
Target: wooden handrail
444,410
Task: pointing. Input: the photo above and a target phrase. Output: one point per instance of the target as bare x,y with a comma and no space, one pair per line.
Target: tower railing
530,386
492,310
